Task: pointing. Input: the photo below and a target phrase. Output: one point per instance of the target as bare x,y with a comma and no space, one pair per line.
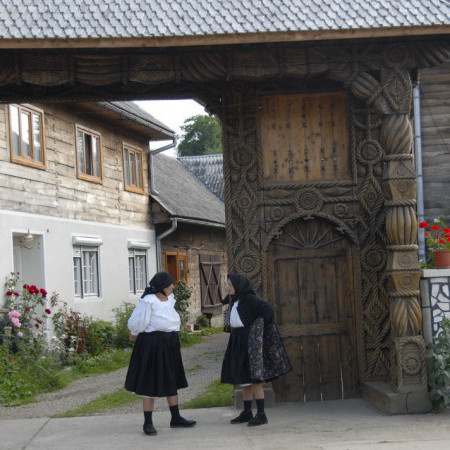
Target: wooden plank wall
435,122
56,191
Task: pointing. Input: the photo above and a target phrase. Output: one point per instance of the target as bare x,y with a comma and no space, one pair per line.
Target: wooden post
403,269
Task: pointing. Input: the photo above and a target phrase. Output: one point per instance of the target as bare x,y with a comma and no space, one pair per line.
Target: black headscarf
158,283
241,285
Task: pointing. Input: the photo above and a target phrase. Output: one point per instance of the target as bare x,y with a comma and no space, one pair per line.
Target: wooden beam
226,39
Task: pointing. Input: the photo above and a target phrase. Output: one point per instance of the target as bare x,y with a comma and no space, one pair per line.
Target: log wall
56,191
435,123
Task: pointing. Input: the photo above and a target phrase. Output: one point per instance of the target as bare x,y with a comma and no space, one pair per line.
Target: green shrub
100,334
202,321
182,293
23,375
121,337
439,368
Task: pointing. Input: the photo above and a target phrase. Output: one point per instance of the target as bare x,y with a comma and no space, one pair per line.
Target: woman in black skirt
156,368
245,307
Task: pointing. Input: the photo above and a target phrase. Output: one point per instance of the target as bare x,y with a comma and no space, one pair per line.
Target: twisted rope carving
411,202
402,247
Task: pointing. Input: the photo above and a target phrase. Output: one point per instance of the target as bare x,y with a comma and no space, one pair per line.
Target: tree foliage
202,135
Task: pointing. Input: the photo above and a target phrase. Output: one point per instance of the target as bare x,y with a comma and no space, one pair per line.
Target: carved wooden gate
311,281
365,186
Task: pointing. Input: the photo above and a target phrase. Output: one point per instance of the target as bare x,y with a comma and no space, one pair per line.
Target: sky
172,113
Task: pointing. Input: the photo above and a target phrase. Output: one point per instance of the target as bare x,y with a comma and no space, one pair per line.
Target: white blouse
235,320
151,314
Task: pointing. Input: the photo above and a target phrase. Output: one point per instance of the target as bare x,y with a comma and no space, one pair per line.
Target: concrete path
337,425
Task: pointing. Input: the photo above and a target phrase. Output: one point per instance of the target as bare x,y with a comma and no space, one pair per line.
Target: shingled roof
208,169
131,111
125,19
182,195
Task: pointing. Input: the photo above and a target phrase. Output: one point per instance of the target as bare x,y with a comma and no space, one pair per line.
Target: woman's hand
133,337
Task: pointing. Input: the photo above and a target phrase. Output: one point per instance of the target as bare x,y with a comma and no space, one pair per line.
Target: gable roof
153,20
131,111
128,115
208,169
183,195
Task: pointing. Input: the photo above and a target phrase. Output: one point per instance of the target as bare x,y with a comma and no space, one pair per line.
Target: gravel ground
202,363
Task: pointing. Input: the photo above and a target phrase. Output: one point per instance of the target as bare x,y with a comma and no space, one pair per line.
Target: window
210,268
137,269
85,271
132,169
89,158
176,265
26,136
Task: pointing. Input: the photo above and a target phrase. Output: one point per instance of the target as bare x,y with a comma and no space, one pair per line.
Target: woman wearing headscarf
156,368
254,353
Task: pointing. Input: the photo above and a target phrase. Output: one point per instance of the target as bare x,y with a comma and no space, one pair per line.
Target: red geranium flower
423,225
43,292
441,241
9,293
426,233
435,228
16,294
48,311
36,325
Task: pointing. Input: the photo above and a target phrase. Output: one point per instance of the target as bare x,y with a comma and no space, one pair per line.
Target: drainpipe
153,191
151,165
159,238
419,168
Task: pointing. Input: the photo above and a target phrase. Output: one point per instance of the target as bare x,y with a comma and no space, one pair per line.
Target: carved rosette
242,178
410,373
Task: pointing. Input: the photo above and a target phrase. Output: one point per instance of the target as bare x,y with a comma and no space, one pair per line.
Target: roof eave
228,39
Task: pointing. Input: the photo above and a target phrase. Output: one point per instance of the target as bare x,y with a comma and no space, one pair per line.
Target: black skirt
156,368
235,366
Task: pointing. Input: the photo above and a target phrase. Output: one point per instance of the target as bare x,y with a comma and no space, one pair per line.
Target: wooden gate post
403,270
243,183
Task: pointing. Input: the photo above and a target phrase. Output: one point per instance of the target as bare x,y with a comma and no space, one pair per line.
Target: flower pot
441,259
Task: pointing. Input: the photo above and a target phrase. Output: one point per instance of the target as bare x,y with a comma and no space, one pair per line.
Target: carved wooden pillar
242,177
403,269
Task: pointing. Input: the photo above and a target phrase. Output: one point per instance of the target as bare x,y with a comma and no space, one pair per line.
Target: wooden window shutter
210,268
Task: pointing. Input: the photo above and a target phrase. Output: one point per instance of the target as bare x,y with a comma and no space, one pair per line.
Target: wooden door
311,281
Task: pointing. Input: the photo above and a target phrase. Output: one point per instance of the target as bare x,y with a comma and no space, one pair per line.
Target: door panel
314,294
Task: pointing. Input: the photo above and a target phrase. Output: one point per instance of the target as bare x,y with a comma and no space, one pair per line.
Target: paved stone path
202,363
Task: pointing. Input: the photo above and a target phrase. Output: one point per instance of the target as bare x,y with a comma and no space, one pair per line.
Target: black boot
244,416
259,419
148,427
177,421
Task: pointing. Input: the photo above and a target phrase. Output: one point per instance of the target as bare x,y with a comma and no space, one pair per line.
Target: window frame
82,175
20,159
80,279
137,252
178,257
127,186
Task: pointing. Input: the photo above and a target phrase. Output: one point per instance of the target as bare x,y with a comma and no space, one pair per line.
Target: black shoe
259,419
243,417
182,423
149,429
